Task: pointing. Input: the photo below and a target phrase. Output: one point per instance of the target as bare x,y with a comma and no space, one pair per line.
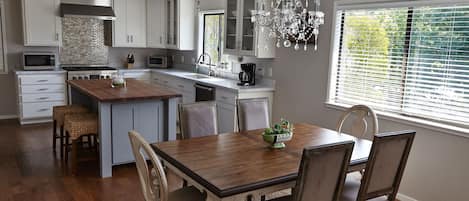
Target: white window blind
410,60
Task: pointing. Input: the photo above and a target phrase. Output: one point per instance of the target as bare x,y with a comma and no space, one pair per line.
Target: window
411,60
212,24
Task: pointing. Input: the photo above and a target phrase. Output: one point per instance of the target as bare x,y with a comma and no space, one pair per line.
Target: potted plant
278,134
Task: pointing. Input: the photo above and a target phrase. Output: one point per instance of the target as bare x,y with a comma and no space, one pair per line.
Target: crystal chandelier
290,21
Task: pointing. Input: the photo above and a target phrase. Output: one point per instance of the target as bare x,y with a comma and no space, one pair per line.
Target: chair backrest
198,119
153,181
322,173
360,126
386,164
253,114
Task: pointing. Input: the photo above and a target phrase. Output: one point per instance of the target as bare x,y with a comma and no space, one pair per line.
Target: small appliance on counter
39,60
247,76
157,61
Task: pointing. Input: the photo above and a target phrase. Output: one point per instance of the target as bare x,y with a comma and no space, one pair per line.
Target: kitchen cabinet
180,24
129,28
37,94
182,86
42,25
156,19
144,76
242,37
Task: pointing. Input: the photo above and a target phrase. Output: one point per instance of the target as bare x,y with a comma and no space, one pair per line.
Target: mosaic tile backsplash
83,42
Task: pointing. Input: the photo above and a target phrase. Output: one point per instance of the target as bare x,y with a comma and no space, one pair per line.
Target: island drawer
43,97
45,79
37,110
42,88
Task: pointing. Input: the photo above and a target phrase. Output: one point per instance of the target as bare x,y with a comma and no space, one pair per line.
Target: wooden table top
135,90
229,164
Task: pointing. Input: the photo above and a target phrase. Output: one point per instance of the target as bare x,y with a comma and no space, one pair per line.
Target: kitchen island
150,110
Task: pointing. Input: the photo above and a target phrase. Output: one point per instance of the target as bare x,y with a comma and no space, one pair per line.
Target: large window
212,36
411,60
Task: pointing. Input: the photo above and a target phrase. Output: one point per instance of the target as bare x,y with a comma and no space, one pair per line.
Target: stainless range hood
98,9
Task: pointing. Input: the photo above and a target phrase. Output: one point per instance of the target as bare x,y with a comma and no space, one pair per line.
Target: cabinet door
120,36
226,117
246,34
231,27
41,23
171,23
136,22
156,20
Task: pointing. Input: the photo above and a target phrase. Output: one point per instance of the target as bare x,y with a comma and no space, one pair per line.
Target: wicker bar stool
58,120
76,126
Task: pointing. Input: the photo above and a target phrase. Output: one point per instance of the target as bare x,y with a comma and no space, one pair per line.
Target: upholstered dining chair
322,173
253,114
153,180
360,125
198,119
384,169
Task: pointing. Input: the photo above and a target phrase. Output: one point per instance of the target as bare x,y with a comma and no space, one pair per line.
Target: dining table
240,166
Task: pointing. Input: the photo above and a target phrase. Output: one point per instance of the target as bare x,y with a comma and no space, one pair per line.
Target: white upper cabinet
42,25
129,28
242,38
156,21
180,24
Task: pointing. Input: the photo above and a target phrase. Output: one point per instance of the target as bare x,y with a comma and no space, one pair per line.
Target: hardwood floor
29,170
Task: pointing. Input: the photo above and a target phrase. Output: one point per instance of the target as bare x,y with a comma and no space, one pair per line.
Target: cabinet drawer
183,85
32,98
143,76
43,79
26,89
225,96
36,110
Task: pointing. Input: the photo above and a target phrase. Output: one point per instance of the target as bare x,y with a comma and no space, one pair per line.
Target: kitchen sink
198,76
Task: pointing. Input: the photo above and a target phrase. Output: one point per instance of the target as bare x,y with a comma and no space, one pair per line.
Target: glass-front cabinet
242,38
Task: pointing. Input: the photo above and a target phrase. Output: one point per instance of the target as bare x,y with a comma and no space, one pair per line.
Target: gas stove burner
88,68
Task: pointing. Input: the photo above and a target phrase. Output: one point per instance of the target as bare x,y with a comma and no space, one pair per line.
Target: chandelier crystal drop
290,21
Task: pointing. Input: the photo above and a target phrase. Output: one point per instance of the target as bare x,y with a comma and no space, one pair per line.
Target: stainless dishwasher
204,93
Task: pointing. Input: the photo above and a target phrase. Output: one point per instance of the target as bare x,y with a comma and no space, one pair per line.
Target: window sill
421,123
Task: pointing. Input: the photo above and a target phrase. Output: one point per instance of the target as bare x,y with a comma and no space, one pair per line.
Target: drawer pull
42,80
181,86
43,110
43,89
224,97
43,98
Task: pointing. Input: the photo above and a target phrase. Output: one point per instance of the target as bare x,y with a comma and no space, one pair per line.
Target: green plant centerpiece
278,134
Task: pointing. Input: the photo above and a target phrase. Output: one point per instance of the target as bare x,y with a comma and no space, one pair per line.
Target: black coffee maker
247,76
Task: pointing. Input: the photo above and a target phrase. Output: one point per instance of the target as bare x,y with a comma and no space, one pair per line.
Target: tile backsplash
83,41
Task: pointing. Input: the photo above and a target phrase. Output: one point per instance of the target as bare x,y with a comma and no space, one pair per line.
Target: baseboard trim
403,197
2,117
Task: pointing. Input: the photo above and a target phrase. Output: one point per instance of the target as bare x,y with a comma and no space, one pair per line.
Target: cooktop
88,68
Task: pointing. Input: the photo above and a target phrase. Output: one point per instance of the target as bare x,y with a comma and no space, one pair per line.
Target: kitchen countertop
38,72
263,86
135,90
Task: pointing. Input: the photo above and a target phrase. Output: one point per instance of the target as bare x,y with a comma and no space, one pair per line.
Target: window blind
411,60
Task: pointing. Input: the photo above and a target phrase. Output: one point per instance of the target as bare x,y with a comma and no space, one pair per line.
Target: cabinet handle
161,39
43,110
132,38
43,98
181,86
128,39
42,80
43,89
57,36
224,97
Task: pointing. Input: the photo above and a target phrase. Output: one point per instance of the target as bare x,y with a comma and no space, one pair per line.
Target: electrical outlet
173,58
182,59
269,72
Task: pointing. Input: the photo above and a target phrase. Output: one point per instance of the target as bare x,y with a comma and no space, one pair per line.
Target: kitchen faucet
210,71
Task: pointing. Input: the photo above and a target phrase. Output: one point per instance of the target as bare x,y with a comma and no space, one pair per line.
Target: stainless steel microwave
39,60
158,62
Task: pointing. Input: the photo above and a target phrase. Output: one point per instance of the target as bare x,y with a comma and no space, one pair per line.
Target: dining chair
253,114
322,173
360,125
198,119
153,181
384,169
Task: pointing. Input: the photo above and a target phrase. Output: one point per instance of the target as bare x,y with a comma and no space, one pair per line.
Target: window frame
201,34
335,44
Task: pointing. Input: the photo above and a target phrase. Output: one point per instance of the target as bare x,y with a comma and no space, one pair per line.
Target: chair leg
66,146
62,137
54,136
74,156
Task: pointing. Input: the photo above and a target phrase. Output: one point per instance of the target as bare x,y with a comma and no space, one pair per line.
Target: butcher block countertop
135,90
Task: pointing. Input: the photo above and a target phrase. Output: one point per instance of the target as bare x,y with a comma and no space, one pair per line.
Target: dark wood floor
29,170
